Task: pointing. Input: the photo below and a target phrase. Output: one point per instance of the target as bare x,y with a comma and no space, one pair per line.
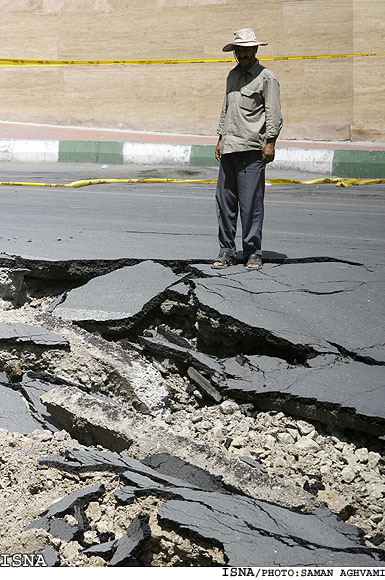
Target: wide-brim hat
243,37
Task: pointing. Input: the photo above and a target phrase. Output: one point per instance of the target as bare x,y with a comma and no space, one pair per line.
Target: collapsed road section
174,407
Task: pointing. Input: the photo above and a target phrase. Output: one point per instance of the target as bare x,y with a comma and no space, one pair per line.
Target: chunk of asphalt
120,552
248,530
33,388
146,435
79,460
173,337
145,482
204,385
163,468
104,550
57,527
179,292
303,305
73,504
27,334
7,261
118,299
15,415
348,393
128,546
174,466
68,503
255,534
50,555
156,343
125,495
253,463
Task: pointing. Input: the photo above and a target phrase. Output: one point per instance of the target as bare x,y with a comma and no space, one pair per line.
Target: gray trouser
241,184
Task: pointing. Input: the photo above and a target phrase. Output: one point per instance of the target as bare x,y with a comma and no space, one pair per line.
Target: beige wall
334,99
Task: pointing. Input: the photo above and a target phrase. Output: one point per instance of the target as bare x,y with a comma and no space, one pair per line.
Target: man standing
249,125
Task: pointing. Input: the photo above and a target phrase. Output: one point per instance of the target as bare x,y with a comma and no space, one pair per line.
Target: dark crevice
215,335
358,357
79,269
224,337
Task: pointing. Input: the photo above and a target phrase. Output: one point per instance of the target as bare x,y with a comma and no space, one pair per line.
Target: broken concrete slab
22,407
146,435
126,375
320,305
28,334
117,300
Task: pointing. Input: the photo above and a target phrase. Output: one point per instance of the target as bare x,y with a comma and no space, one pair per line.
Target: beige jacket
251,111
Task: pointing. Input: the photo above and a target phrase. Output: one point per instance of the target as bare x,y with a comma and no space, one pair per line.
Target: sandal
223,261
254,262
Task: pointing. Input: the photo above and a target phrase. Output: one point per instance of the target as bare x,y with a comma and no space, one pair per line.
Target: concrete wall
331,99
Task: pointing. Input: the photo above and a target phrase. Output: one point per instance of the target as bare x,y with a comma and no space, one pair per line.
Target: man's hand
218,150
268,152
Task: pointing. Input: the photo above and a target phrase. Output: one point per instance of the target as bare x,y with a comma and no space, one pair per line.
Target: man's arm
273,118
222,117
218,152
268,152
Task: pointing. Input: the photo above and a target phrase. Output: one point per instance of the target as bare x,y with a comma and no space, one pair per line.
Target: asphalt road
178,221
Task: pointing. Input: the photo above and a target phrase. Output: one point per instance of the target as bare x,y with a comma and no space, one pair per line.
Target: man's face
245,55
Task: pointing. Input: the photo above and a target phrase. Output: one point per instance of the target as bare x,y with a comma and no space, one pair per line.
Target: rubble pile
151,415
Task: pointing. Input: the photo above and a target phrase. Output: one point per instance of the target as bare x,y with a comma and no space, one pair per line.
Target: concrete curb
326,160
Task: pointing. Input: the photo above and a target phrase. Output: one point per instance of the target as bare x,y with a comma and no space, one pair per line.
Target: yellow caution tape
85,182
339,181
70,62
153,180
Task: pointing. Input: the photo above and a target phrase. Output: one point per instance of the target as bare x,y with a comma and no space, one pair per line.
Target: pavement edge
365,164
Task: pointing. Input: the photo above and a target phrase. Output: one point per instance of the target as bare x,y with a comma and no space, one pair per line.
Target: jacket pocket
249,100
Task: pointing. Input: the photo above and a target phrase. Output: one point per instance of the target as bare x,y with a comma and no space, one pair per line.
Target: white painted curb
28,151
310,160
47,151
156,153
